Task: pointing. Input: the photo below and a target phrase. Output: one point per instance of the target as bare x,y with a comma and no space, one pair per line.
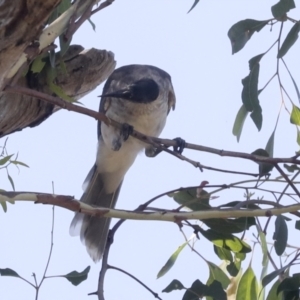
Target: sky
195,50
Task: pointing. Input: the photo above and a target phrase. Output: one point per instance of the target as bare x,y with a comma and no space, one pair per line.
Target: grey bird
138,95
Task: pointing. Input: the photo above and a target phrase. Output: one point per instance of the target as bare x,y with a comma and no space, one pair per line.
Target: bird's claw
180,145
126,131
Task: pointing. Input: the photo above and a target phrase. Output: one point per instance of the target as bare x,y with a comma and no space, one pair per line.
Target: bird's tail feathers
93,231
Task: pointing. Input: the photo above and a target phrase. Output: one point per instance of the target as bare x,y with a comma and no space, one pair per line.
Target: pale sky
195,50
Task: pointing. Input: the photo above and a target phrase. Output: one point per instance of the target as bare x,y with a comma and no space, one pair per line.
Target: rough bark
21,23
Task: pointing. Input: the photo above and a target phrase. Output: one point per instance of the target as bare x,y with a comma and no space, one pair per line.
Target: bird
140,96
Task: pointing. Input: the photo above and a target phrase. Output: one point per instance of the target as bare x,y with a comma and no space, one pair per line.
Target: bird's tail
94,230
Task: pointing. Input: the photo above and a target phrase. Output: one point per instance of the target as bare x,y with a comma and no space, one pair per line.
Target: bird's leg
126,131
152,151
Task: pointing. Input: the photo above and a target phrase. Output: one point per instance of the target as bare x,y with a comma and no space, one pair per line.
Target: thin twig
136,279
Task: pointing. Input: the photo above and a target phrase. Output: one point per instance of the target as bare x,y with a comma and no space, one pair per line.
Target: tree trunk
21,23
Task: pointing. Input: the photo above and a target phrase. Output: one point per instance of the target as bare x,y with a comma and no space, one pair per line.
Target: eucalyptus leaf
264,248
215,291
77,277
290,284
241,32
280,9
196,291
227,241
255,60
248,286
250,88
4,206
223,254
273,292
295,115
257,117
5,159
280,235
11,181
9,272
289,41
192,199
215,273
291,168
297,225
171,261
194,5
174,285
270,144
239,122
16,162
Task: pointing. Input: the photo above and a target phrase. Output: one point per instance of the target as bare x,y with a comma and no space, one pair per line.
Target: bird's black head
142,91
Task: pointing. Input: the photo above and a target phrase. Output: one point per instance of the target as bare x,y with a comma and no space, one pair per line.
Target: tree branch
70,203
164,143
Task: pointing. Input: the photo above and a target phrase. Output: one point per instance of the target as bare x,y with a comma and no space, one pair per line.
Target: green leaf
52,59
227,241
4,206
264,247
11,181
270,144
298,136
174,285
215,291
235,203
291,168
297,224
230,225
290,284
76,278
60,92
9,272
273,292
264,168
289,41
64,44
280,9
63,6
16,162
280,235
295,115
255,60
5,159
250,95
192,199
171,261
215,273
270,277
53,16
257,118
250,87
235,267
239,122
38,64
248,287
196,291
241,32
194,5
223,254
